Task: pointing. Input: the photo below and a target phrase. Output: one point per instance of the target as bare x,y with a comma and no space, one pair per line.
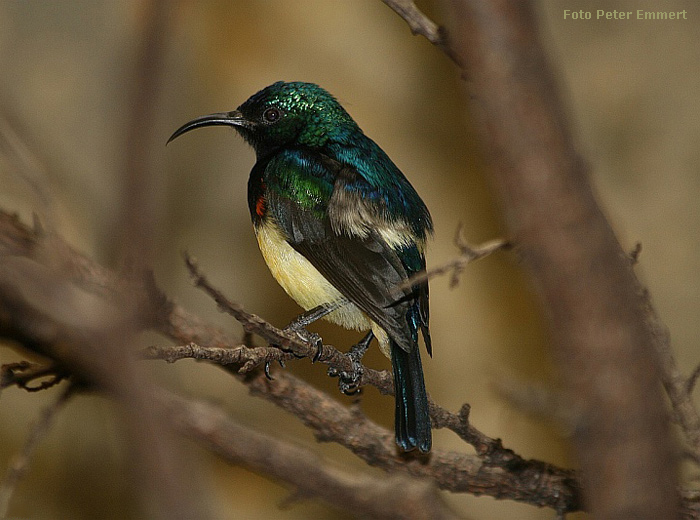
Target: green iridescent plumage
341,228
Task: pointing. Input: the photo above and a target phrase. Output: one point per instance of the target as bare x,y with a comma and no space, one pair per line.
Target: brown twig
19,464
23,374
291,344
420,24
468,254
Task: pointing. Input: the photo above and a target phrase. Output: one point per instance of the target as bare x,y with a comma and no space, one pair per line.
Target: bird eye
272,114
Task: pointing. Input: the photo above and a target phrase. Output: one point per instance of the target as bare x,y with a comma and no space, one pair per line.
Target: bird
342,230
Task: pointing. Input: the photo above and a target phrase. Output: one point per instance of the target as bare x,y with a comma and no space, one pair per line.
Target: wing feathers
354,244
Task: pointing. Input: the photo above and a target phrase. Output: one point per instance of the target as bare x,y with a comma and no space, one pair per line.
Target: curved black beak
233,118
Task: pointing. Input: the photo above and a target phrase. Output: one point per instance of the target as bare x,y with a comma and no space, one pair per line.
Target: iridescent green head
284,114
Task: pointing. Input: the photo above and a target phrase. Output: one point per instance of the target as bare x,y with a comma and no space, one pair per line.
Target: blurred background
70,85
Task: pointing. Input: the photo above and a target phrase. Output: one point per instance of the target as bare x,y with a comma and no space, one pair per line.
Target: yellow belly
309,288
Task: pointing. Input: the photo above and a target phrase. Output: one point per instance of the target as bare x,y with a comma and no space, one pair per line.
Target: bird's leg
298,324
308,317
349,382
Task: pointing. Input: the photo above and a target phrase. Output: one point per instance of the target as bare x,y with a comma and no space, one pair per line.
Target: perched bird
341,230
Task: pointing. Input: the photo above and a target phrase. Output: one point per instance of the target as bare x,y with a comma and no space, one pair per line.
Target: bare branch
603,340
19,465
416,20
454,267
24,373
361,495
420,24
497,472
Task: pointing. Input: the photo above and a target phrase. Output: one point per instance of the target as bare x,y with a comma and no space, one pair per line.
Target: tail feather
411,415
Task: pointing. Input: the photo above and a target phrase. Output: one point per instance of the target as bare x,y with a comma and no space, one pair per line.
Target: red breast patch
260,206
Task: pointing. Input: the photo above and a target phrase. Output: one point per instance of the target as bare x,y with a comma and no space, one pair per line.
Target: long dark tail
411,415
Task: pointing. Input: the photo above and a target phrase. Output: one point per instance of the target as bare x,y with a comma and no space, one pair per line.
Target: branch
420,24
290,343
678,388
20,463
416,20
23,374
454,267
306,473
604,343
496,471
332,422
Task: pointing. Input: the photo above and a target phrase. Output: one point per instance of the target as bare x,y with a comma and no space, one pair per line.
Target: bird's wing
355,258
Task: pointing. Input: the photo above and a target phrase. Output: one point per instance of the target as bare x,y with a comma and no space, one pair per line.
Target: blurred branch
20,463
420,24
51,304
678,387
142,186
416,20
24,163
24,373
600,323
305,472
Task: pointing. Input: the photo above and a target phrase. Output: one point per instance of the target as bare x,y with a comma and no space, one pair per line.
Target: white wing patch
350,214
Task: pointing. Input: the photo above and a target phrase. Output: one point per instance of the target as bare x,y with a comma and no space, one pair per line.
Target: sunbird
341,230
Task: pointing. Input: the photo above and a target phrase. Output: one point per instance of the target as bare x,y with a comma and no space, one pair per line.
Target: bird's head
284,114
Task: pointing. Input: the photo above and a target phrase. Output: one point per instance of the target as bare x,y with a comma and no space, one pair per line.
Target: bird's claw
308,337
267,369
349,381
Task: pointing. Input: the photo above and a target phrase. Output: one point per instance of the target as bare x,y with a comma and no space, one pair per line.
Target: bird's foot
307,337
349,381
298,326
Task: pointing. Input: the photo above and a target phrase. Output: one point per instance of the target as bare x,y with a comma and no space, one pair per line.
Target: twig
454,267
678,388
19,465
24,373
420,24
416,20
